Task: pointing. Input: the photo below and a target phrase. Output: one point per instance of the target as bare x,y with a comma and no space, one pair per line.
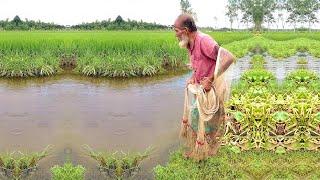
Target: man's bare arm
227,59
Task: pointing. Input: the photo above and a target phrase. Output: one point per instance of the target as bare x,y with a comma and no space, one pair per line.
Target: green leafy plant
258,76
118,165
302,76
18,165
302,61
68,172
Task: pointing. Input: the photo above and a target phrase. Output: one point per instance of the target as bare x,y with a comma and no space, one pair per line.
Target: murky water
71,111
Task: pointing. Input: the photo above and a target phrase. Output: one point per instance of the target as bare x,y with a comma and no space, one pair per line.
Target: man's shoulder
206,39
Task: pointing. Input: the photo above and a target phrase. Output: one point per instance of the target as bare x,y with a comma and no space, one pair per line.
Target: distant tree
257,11
246,19
279,12
186,8
117,24
16,20
215,22
269,19
119,20
302,11
232,9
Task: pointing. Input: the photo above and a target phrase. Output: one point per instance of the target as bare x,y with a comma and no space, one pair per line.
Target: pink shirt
203,55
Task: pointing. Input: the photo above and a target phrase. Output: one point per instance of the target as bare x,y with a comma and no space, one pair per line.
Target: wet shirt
203,55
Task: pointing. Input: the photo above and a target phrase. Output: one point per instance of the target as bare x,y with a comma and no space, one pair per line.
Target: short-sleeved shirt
203,55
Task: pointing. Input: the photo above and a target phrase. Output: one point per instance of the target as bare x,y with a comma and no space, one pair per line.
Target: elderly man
203,52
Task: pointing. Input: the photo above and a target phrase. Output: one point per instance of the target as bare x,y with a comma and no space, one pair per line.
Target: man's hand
206,83
190,81
189,66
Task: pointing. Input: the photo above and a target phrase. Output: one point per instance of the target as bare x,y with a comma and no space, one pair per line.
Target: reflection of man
202,49
207,67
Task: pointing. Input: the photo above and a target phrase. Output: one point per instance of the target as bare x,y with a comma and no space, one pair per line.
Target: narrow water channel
70,111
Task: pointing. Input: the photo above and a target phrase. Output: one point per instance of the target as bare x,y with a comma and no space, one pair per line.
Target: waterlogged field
278,45
128,54
273,131
283,36
112,54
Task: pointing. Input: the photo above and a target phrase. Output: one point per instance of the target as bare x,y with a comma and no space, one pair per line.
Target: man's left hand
206,83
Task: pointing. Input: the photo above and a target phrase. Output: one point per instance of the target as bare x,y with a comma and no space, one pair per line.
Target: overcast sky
71,12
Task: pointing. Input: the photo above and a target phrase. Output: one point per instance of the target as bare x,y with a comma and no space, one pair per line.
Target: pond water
71,111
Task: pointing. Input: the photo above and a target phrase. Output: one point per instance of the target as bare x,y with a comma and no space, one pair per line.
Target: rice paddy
128,54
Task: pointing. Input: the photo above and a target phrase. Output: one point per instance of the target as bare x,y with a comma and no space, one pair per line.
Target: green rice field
128,53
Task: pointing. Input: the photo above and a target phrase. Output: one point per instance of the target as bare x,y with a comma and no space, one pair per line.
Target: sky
71,12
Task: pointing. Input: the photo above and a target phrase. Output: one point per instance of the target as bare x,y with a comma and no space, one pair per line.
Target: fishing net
204,116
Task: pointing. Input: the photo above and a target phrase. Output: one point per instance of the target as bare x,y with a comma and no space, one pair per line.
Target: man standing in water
203,54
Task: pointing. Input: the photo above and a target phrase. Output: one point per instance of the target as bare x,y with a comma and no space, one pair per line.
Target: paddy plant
17,165
122,65
277,49
302,77
17,65
302,61
124,54
257,62
68,172
118,165
257,76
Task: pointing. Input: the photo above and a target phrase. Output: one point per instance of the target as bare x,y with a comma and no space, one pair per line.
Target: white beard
183,43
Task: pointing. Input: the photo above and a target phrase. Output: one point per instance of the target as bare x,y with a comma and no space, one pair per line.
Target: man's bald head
186,21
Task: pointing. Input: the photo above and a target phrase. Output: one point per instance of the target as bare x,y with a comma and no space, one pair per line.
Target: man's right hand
190,81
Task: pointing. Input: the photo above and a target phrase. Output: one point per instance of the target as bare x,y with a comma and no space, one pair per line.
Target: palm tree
215,22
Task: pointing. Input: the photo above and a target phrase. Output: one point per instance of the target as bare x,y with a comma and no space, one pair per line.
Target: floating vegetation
257,76
302,61
68,171
118,165
268,117
18,165
257,62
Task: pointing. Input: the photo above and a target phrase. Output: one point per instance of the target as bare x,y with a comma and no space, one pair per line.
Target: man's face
181,34
179,30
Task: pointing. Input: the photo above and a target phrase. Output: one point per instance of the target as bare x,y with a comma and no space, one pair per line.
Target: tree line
297,13
118,24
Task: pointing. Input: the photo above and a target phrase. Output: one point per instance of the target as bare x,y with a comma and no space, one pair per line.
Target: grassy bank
256,164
